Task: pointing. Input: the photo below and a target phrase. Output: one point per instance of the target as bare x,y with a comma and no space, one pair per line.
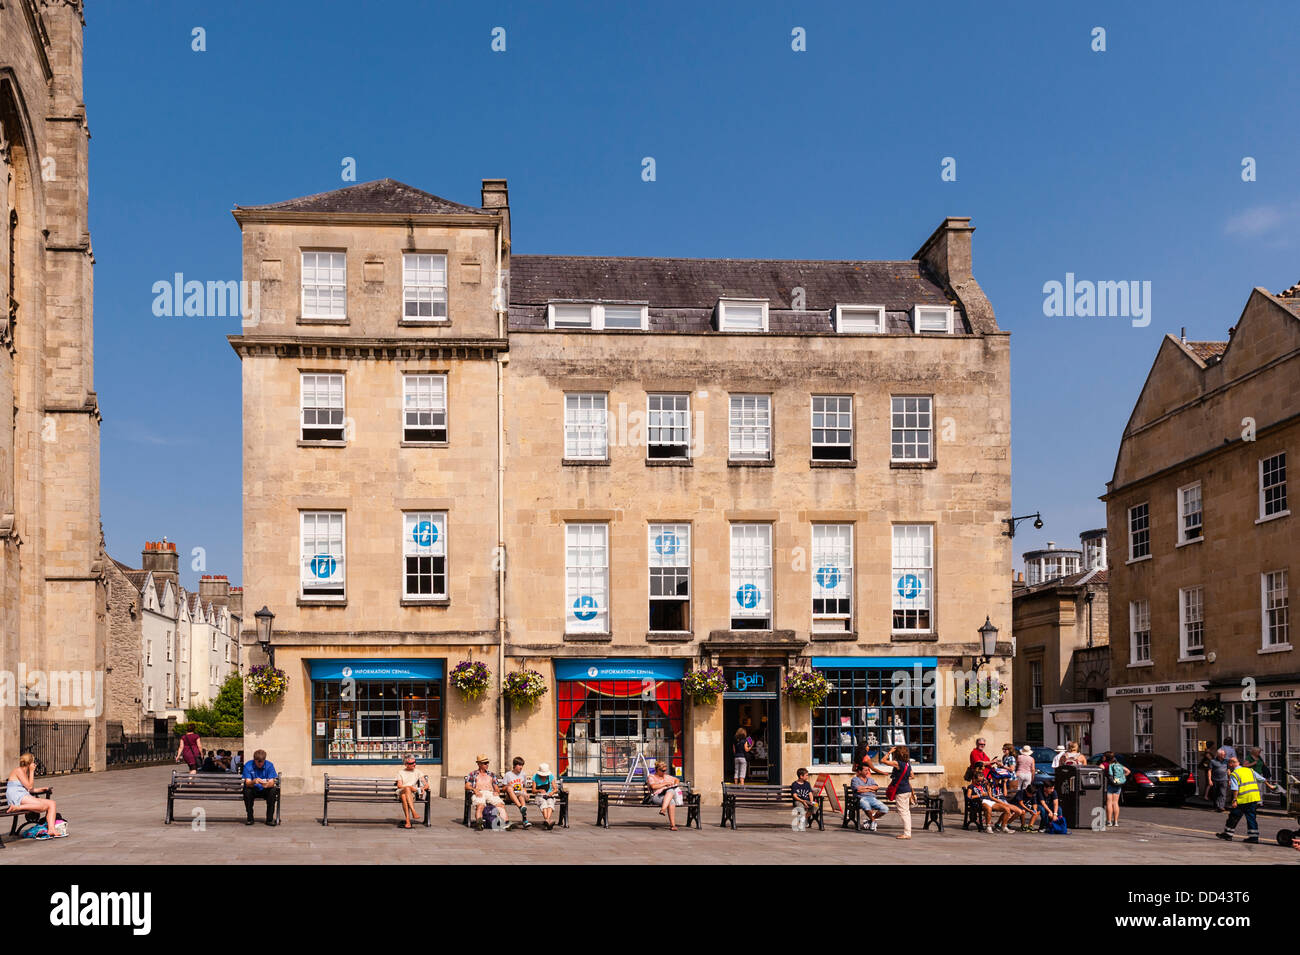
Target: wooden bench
211,786
637,794
22,817
369,789
764,796
561,807
928,805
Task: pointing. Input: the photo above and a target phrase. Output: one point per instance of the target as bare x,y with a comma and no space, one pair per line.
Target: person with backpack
1116,775
1050,816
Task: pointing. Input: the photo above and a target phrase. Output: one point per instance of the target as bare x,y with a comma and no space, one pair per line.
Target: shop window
832,428
424,409
668,427
876,705
751,576
322,408
913,578
424,555
377,712
670,577
832,578
605,726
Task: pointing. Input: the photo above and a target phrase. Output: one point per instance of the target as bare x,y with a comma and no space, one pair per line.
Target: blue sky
1116,165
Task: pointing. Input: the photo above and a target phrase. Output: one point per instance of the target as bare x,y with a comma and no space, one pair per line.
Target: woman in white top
20,792
409,785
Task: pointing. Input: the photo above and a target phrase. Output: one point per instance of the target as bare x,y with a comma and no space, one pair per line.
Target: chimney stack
161,558
947,251
214,589
496,198
237,602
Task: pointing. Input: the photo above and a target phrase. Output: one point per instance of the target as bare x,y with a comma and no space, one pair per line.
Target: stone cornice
373,349
400,219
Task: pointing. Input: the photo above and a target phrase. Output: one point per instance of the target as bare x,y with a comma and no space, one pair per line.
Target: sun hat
481,758
1027,750
543,769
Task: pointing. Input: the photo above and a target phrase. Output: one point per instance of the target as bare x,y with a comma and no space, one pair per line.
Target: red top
978,755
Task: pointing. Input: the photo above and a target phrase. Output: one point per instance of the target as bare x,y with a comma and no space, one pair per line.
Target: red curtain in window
667,695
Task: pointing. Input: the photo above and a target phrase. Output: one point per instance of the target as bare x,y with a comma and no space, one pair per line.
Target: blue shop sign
376,669
753,680
635,669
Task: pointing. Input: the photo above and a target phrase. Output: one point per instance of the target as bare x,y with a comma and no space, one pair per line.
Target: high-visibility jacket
1247,785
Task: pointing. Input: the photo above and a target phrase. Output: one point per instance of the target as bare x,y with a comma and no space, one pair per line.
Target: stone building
1207,551
169,648
1062,666
613,472
52,588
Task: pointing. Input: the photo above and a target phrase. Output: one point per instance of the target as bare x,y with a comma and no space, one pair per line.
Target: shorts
988,803
1113,789
871,803
658,798
487,799
15,792
742,766
545,802
1026,778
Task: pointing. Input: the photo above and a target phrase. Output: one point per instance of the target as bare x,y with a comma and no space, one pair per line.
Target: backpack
1116,772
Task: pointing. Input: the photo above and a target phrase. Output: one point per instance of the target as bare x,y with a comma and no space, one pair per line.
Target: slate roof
1099,577
379,196
137,578
682,293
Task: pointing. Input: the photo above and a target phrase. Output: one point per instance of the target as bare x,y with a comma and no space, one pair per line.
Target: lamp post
1013,522
264,618
988,642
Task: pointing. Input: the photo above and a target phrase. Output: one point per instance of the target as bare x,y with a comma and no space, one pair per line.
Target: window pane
913,577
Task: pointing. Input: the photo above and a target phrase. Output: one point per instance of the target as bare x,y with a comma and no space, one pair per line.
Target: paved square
116,817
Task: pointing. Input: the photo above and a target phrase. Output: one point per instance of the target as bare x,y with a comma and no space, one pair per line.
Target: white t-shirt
514,780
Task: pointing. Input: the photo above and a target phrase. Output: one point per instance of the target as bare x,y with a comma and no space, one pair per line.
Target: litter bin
1082,793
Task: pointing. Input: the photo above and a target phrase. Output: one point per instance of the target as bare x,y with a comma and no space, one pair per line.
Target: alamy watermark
63,689
1082,298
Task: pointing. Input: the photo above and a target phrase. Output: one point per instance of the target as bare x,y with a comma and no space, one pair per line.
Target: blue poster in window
748,596
666,544
324,565
584,608
425,533
909,585
828,577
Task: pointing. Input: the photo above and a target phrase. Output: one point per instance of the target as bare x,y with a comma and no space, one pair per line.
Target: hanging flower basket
1208,710
267,683
471,678
807,687
705,686
523,687
984,694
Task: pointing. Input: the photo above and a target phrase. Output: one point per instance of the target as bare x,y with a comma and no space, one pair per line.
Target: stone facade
504,481
52,574
1204,550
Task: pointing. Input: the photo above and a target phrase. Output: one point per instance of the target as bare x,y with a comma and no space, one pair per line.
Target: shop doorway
752,704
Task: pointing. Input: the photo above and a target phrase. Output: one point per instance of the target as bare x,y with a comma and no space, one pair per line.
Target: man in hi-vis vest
1244,795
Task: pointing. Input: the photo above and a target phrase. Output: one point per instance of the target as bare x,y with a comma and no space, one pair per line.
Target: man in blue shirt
259,783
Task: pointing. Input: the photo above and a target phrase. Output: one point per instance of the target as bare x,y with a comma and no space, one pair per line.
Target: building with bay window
614,471
1203,575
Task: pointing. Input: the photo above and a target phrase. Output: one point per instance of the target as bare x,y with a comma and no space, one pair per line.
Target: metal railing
126,749
60,746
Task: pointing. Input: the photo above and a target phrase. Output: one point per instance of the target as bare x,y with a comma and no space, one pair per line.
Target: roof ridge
375,186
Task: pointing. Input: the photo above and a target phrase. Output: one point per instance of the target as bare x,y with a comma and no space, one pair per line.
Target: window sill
669,636
1137,560
1273,517
833,636
322,602
669,462
585,462
304,320
907,636
424,444
426,601
1194,540
1142,665
417,323
1200,659
321,444
734,463
913,465
1276,648
828,463
588,638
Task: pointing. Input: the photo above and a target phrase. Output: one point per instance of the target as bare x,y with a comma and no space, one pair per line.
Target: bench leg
325,811
695,811
602,812
167,820
428,807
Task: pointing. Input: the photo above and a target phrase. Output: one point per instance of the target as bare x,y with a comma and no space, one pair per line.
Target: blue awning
621,669
873,663
376,669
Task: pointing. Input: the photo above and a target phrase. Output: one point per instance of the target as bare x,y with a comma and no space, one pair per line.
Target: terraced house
1204,547
613,471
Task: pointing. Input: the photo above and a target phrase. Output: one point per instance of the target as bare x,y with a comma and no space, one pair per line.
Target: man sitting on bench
865,788
802,794
515,784
259,783
665,792
485,788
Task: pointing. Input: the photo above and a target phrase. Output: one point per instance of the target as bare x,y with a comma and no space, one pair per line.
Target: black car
1152,778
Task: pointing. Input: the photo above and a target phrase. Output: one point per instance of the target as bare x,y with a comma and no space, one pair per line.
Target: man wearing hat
486,789
1056,760
546,787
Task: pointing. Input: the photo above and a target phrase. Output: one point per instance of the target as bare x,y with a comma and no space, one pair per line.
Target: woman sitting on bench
22,797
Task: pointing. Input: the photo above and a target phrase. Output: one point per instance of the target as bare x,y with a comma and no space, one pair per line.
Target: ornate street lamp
988,642
264,618
1013,522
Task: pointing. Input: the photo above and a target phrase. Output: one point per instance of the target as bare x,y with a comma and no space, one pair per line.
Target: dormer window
860,319
598,317
932,318
742,315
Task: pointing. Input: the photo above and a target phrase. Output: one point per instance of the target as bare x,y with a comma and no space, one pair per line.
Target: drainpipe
502,359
